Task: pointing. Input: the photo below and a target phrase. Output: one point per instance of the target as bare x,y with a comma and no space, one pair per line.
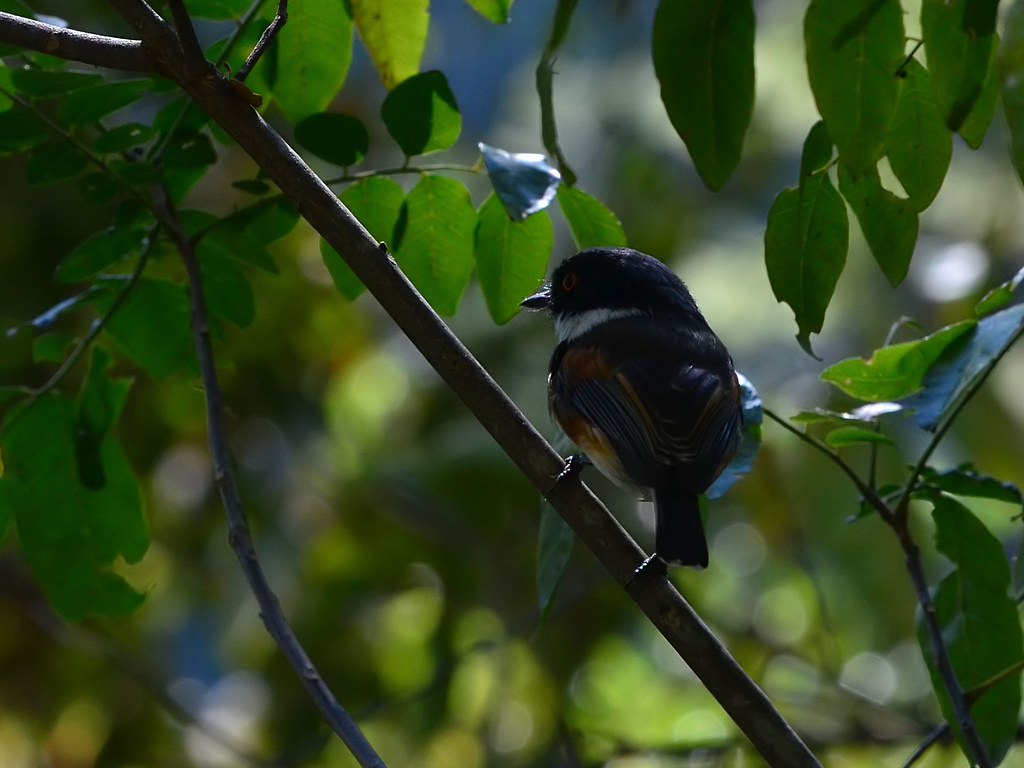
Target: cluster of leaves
69,125
877,102
976,601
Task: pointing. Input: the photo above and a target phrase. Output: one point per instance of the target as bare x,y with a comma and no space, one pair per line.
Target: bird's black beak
540,300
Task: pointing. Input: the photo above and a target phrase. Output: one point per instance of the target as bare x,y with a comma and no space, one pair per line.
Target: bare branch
238,526
280,18
195,62
70,44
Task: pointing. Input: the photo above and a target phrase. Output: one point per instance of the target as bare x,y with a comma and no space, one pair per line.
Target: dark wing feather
667,401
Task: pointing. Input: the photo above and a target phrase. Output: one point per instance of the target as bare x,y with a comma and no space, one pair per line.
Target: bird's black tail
679,536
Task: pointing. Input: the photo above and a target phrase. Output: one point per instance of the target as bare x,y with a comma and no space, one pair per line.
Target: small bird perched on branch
643,386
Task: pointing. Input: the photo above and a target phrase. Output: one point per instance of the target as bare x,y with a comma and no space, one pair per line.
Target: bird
640,382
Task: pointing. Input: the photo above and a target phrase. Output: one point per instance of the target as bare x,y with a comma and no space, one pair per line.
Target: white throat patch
570,327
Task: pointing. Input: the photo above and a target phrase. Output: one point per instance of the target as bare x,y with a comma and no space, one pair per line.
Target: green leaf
98,187
88,105
853,50
377,203
175,115
979,625
71,534
750,440
135,174
980,117
16,347
312,57
100,403
436,251
189,149
235,237
1000,295
252,186
492,10
6,102
421,114
961,366
20,130
152,327
805,243
511,256
345,280
965,481
816,154
50,347
889,223
100,250
338,139
217,9
395,33
895,371
871,412
1011,74
227,289
958,39
554,547
704,58
919,144
123,137
40,83
268,220
1010,68
592,224
53,162
843,437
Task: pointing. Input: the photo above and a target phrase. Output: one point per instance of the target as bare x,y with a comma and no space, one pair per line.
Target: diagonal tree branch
99,50
739,696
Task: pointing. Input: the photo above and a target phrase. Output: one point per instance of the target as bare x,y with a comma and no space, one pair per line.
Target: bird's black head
614,280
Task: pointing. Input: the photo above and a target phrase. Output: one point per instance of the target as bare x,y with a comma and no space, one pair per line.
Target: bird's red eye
569,281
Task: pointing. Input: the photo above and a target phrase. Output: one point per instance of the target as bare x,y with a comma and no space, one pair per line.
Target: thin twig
269,200
897,520
239,535
870,494
279,20
937,734
157,150
545,76
86,341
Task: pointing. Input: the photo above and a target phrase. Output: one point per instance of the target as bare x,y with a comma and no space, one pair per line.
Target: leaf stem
545,76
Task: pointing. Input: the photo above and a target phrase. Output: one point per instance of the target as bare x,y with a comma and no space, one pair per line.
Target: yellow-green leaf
395,33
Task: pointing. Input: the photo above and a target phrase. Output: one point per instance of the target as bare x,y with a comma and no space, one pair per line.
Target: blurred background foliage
400,539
